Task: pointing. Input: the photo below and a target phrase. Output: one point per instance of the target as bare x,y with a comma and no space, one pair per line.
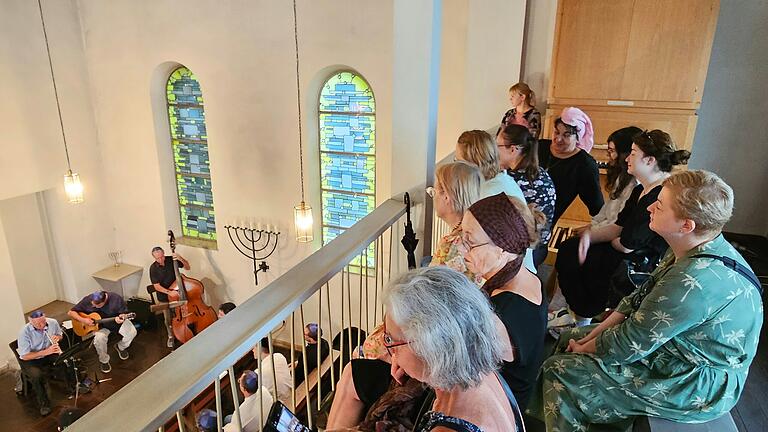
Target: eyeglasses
390,343
471,246
430,191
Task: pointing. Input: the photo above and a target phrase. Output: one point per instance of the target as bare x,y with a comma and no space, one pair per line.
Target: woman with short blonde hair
457,186
680,346
478,148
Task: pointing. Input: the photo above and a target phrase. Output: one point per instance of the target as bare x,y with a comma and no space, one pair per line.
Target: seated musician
38,350
257,403
107,305
163,278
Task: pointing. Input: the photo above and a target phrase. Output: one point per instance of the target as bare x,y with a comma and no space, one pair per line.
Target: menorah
250,245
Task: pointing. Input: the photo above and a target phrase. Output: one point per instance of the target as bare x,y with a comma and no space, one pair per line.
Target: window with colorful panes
347,115
189,139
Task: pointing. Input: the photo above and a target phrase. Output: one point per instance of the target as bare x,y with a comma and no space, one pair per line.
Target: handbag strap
512,402
739,268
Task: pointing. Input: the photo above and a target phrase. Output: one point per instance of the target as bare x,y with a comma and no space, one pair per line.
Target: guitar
83,330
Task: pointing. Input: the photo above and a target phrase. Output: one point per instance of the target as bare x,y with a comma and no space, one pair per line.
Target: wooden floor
21,413
751,413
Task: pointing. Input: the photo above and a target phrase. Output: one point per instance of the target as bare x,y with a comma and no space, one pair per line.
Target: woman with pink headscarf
566,158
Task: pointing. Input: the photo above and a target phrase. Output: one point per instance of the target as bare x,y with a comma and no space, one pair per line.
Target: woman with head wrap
497,232
567,160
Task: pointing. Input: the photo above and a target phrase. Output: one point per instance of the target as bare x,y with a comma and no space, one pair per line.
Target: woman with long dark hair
586,263
619,182
519,156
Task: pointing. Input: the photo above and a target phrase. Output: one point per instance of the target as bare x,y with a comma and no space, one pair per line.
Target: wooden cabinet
680,124
642,53
630,63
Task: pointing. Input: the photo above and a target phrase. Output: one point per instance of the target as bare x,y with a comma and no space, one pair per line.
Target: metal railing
343,297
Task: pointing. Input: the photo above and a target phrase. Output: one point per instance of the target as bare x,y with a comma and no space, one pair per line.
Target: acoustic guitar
83,330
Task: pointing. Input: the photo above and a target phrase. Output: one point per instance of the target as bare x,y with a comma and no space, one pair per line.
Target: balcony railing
323,288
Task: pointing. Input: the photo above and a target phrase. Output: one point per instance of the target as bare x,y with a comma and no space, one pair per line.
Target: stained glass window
347,154
186,114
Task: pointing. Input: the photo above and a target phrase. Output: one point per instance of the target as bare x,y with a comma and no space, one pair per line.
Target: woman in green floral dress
680,346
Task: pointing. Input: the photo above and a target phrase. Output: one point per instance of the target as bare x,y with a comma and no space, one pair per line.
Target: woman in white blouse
619,183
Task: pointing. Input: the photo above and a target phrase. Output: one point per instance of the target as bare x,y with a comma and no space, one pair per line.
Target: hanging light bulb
302,213
302,219
73,187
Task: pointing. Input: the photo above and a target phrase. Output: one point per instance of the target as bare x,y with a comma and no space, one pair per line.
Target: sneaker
45,410
105,367
123,354
82,389
560,318
170,342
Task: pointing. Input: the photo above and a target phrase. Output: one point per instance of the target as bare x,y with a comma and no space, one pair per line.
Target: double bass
195,315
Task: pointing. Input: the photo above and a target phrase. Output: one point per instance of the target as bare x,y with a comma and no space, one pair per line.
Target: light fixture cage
73,187
302,218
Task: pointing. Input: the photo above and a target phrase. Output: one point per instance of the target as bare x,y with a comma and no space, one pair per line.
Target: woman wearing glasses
573,170
497,231
367,381
441,330
619,182
680,346
586,263
519,157
457,186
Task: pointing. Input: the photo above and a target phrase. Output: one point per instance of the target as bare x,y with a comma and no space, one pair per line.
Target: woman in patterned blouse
523,111
519,156
680,346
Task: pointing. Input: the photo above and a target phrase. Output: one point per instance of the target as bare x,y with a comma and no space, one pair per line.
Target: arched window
189,139
347,153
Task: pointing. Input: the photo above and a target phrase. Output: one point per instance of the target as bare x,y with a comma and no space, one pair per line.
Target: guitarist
107,305
163,278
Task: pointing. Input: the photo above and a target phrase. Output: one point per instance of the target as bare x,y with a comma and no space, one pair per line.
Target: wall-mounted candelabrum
254,244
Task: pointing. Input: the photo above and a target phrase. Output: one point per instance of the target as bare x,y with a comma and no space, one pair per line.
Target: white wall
111,59
26,232
243,55
33,157
538,48
729,136
13,316
480,60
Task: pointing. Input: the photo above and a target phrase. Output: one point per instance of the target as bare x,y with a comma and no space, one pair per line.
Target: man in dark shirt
107,305
310,338
163,278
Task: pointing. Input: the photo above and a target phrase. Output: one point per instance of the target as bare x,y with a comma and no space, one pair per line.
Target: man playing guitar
107,305
163,278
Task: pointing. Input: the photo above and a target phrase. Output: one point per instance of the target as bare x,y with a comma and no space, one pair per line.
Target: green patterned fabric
682,354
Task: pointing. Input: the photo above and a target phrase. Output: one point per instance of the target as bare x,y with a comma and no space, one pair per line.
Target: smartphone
281,419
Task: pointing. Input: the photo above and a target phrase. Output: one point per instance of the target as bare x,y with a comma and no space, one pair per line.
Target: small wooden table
113,278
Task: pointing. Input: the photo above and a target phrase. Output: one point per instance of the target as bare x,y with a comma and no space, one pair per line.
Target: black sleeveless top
526,324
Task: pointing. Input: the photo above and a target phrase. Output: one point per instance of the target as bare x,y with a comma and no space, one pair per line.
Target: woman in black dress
572,169
585,264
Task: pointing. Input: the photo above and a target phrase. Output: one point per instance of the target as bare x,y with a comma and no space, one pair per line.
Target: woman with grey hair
680,346
497,232
441,330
